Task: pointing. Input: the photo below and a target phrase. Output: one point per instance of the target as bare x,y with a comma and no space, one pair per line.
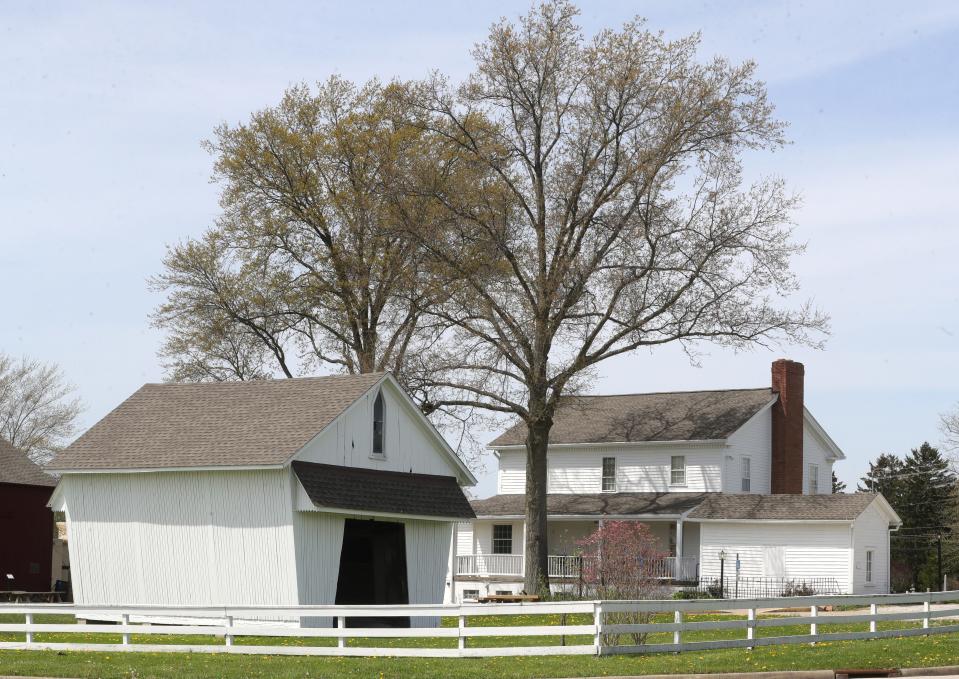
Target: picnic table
507,598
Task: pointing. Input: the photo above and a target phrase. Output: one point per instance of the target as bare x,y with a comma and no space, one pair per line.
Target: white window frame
870,565
813,484
471,594
677,472
608,477
745,474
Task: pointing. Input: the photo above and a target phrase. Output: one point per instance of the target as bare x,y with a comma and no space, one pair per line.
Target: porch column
679,539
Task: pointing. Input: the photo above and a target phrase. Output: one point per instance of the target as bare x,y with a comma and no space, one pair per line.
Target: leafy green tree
306,268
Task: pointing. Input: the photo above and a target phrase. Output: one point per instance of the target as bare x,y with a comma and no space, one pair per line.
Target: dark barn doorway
373,569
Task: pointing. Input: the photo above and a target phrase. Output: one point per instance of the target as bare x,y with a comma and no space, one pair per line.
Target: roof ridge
305,378
662,393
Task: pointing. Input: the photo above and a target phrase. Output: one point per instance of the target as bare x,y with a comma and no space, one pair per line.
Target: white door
774,561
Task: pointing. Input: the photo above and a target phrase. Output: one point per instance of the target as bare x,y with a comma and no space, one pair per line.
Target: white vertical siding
808,550
815,452
409,444
752,440
871,531
181,538
319,542
643,469
427,564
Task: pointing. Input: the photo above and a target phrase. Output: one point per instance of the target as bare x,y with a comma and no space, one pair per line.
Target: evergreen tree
884,476
837,485
927,508
922,490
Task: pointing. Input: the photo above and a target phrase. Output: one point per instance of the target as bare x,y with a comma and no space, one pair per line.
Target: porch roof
375,490
594,504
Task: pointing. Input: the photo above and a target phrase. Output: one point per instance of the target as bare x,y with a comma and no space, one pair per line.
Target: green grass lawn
897,652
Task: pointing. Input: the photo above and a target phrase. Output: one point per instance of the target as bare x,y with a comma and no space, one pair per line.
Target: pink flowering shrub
620,562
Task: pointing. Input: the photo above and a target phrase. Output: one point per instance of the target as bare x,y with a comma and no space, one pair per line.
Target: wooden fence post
925,612
813,627
598,624
677,634
751,625
228,631
872,618
461,644
341,624
125,620
29,621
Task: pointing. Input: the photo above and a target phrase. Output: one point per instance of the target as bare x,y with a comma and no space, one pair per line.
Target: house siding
181,538
871,531
752,440
638,470
808,550
815,452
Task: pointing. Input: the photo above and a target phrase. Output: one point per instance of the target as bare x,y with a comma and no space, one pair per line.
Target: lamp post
722,574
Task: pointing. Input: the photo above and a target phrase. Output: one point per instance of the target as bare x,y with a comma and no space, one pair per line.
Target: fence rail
684,568
601,626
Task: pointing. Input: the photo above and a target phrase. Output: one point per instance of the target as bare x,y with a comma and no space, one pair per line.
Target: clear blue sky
103,107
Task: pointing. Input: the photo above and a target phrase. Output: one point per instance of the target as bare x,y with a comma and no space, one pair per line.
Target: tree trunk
537,549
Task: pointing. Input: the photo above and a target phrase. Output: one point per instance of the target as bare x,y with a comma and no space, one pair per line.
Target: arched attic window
379,424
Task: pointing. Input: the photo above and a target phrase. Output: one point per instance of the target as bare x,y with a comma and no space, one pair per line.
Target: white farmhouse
737,480
281,492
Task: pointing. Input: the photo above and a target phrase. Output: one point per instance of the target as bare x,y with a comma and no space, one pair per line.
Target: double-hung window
814,479
745,474
609,474
503,538
869,553
677,470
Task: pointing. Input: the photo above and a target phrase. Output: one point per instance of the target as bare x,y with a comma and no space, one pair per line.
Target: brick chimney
787,413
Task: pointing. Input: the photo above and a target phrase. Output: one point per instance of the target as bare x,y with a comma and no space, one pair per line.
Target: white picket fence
233,624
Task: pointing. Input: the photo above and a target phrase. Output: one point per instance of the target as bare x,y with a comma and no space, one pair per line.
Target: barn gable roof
634,418
380,491
214,424
17,468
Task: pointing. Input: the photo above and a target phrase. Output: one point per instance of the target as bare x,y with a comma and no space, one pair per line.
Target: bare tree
307,267
38,412
949,423
617,218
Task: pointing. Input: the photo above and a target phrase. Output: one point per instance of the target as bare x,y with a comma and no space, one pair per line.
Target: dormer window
379,421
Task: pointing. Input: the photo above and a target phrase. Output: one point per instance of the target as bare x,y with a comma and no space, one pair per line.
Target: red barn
26,523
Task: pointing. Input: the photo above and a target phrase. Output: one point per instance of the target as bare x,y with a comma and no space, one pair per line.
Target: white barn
279,492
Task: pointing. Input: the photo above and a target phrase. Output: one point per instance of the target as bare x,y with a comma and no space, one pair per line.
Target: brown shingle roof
212,424
598,504
838,507
389,492
668,416
16,467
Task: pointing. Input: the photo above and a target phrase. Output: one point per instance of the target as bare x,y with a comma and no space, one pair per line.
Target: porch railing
684,568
